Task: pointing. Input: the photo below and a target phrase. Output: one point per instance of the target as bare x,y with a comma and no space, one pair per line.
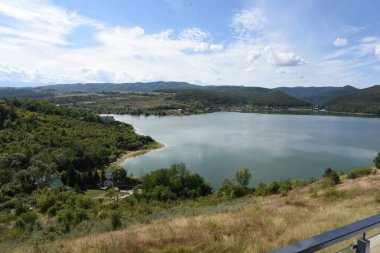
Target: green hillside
317,95
362,101
38,139
237,96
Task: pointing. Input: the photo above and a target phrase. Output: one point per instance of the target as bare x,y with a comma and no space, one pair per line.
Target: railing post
362,245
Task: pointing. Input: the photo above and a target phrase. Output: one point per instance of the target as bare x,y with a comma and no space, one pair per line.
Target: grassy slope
255,224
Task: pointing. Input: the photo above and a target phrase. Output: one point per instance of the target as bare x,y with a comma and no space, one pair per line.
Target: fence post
362,246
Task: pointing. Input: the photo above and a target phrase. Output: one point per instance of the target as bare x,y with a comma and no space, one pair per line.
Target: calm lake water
273,146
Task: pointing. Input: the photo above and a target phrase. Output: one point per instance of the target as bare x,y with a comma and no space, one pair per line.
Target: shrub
334,194
313,193
242,177
175,182
29,217
52,211
115,220
273,187
377,161
331,178
359,172
285,187
20,208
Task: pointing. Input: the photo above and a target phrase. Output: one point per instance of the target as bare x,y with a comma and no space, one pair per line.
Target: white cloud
14,74
216,47
377,50
194,34
369,39
340,42
282,59
247,21
35,46
201,47
40,21
253,56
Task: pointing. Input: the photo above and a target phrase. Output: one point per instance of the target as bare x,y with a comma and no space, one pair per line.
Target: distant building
108,183
107,118
53,181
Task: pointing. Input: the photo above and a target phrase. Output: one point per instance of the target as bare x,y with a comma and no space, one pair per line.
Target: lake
272,146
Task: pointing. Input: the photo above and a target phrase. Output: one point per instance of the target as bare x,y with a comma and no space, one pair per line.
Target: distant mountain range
113,87
339,99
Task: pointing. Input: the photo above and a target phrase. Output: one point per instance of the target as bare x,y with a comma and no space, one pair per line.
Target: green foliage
237,96
334,194
39,138
331,178
242,177
111,192
362,101
115,220
313,193
119,176
359,172
175,182
377,161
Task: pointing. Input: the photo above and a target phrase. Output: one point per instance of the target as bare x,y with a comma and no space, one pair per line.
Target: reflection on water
273,146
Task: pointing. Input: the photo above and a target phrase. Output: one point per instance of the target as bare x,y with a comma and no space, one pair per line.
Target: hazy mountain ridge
114,87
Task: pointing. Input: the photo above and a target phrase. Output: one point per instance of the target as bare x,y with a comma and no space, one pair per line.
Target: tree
119,176
377,161
111,192
242,177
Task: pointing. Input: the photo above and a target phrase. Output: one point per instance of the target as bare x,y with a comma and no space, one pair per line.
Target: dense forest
38,139
237,96
363,101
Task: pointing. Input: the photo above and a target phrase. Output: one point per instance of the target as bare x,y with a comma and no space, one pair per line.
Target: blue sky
266,43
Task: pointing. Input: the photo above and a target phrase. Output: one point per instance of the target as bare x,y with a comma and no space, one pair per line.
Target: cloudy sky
265,43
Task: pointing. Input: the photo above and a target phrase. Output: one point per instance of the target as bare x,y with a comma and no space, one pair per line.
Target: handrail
332,237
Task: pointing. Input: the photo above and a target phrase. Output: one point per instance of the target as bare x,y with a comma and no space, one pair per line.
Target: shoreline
130,154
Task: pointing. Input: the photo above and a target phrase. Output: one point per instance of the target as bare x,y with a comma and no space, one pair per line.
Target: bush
331,178
359,172
115,220
377,161
313,193
334,194
173,183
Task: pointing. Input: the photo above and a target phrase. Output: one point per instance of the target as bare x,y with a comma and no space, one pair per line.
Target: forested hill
317,95
237,96
135,87
38,139
362,101
11,92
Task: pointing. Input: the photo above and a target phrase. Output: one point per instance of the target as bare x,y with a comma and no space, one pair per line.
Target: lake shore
129,154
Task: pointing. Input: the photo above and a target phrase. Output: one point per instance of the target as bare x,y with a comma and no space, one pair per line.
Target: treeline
38,139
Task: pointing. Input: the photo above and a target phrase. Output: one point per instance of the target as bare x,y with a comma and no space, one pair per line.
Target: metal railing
335,236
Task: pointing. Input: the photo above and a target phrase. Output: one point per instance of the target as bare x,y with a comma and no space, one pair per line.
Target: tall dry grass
260,226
